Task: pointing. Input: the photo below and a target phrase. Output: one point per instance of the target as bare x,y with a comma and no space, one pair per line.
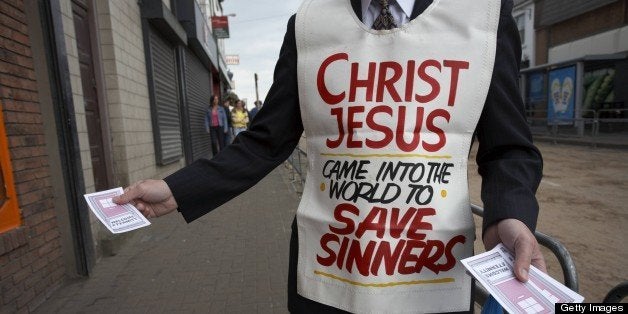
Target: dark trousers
217,137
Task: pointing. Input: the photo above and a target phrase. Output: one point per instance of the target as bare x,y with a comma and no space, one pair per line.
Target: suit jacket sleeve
273,135
510,165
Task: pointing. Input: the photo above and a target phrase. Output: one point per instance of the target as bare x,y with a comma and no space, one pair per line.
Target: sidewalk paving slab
232,260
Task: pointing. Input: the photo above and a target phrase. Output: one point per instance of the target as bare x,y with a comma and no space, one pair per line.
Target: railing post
555,130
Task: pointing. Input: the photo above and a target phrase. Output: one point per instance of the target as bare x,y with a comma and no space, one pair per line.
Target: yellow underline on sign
386,284
387,155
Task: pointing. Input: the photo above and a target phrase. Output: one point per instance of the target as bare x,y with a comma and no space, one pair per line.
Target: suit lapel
357,7
419,7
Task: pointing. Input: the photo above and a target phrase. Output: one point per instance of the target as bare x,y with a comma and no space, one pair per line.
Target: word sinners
410,254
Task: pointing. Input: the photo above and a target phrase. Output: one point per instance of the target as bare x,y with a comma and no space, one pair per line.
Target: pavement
232,260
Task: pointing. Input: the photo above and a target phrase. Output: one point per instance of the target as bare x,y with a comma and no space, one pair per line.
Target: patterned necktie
385,20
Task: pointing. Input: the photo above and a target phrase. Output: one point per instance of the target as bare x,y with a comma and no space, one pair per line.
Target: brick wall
593,22
31,265
608,17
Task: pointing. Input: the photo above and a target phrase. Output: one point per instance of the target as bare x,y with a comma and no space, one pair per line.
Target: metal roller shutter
198,92
167,120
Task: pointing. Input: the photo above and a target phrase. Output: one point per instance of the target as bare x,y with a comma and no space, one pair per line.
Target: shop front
579,97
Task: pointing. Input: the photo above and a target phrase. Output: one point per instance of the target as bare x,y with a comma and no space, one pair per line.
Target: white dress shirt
400,9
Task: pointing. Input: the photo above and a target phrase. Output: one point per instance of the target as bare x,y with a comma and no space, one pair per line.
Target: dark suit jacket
508,162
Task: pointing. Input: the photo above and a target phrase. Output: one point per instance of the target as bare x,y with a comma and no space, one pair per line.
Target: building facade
95,94
523,13
578,64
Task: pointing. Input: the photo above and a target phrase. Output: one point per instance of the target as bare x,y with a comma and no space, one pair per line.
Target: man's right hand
153,198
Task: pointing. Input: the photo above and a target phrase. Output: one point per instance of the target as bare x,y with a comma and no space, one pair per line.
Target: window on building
521,25
9,211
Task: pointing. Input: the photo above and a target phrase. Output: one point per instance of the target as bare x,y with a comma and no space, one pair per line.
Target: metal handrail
617,294
296,166
567,265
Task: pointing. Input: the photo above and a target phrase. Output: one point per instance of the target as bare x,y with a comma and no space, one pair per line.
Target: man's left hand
516,236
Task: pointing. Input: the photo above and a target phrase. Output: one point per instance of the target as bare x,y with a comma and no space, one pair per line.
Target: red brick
45,284
28,258
52,235
11,295
14,69
22,235
33,209
18,250
44,226
3,250
38,300
33,185
24,175
13,240
22,61
26,297
25,129
25,95
25,152
38,264
22,274
4,259
18,4
36,241
29,163
10,268
35,196
36,278
11,80
25,140
50,215
10,307
16,47
18,105
21,38
45,249
21,117
56,253
6,284
58,274
12,23
6,32
12,11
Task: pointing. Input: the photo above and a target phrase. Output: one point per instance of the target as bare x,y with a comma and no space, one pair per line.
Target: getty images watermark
589,308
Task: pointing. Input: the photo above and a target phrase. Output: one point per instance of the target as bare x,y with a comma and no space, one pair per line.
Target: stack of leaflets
495,271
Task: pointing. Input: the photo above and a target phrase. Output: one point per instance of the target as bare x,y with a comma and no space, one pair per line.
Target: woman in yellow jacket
239,118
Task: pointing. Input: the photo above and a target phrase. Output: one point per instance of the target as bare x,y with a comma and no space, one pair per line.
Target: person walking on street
240,118
389,94
216,124
229,135
255,109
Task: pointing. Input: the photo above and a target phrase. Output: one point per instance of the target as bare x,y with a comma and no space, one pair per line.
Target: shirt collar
405,5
